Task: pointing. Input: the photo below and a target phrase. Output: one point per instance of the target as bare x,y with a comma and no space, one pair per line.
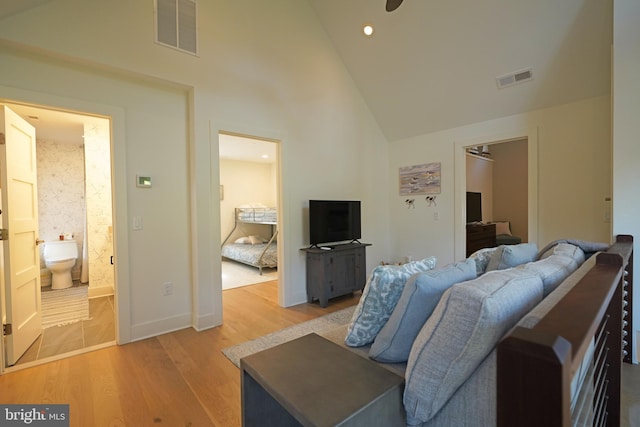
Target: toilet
59,257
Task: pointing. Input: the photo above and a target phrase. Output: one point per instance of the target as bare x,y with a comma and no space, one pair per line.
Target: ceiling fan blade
393,5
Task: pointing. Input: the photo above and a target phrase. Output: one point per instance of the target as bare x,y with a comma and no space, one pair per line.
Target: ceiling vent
176,24
514,78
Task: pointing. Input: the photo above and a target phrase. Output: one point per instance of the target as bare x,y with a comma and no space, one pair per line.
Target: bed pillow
464,328
417,301
243,240
379,298
254,240
502,227
507,256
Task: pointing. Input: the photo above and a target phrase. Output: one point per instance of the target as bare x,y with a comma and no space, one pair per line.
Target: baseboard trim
151,329
205,322
101,291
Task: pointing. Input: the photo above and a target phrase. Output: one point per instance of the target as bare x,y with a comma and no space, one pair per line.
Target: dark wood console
480,236
335,270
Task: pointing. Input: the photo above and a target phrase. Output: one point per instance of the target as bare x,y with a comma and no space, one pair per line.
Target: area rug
63,306
317,325
235,275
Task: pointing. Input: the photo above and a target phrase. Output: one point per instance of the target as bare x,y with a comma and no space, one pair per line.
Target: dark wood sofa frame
536,366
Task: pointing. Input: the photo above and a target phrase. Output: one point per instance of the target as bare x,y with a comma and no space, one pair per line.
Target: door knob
38,241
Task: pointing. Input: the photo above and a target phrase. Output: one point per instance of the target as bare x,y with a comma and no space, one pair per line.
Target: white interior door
21,257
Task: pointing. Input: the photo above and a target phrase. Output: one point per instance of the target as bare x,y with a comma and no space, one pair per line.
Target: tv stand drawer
480,236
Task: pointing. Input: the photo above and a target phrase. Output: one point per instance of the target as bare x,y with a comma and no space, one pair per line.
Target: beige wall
573,167
510,186
245,183
480,180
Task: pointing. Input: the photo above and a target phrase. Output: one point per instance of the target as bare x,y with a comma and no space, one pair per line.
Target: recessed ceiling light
367,30
265,156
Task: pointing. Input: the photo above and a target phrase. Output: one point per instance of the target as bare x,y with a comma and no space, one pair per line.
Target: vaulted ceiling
432,64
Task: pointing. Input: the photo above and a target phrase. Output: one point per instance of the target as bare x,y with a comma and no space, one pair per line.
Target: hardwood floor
182,378
177,379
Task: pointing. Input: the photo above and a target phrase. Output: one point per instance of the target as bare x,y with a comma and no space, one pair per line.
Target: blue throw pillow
507,256
464,328
419,297
379,298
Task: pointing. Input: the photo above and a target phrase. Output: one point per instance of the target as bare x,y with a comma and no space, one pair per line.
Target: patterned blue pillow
482,258
380,296
417,301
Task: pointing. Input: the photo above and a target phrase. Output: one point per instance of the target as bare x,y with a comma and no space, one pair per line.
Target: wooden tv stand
335,270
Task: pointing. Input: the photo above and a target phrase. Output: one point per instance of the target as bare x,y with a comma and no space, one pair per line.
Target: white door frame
116,116
261,134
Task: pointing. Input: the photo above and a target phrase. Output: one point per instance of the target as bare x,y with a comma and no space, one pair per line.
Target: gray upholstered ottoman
311,381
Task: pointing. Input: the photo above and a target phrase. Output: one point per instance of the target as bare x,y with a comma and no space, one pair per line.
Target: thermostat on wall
143,181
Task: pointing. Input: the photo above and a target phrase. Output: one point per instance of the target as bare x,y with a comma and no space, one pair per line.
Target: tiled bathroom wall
65,192
61,202
98,194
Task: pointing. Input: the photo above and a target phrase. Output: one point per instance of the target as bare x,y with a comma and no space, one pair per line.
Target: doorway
73,151
249,195
497,173
527,138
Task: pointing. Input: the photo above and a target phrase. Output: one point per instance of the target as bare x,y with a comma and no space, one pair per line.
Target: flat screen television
332,221
474,207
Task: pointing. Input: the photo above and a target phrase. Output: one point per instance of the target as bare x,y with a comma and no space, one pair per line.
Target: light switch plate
143,181
137,223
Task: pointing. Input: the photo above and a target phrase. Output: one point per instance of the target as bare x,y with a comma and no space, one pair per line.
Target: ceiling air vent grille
176,24
514,78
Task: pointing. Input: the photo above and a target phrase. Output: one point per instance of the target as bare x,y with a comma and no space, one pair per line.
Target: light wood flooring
177,379
182,378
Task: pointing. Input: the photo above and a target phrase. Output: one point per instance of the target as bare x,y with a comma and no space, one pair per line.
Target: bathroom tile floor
57,340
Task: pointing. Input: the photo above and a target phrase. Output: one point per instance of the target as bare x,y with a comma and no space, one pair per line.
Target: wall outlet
167,288
436,216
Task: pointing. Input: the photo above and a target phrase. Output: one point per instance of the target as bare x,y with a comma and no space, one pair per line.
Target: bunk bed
252,250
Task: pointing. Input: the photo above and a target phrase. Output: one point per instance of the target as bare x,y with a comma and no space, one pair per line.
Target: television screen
333,221
474,207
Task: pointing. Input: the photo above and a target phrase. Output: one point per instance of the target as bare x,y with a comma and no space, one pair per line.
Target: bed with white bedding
253,250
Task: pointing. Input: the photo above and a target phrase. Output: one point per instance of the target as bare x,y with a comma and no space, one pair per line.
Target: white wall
574,177
250,77
626,129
